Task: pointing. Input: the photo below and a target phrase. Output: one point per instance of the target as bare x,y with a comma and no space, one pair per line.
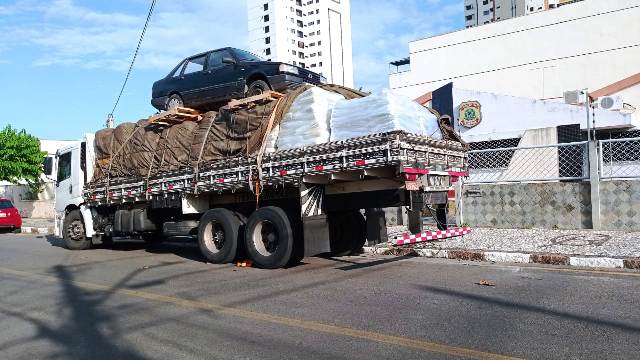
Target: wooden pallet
266,96
175,116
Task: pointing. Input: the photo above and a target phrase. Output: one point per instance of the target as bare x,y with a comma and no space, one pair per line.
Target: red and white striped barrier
430,236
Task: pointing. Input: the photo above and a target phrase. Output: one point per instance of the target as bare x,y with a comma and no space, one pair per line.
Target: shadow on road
86,332
530,308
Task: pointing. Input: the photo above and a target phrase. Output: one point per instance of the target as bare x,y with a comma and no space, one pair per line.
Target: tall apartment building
314,34
481,12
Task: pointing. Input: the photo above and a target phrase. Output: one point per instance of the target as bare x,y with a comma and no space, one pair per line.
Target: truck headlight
285,68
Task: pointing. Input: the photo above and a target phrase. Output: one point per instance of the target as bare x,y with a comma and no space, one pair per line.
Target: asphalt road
164,302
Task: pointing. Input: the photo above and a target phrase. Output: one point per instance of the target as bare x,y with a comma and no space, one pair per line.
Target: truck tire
74,232
269,238
218,235
257,87
347,232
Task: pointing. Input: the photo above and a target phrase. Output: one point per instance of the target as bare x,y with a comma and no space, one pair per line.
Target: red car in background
9,216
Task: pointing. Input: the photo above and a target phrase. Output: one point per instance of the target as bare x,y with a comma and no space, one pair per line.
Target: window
300,34
319,43
195,65
64,167
318,32
313,65
299,13
246,56
48,166
266,18
469,7
215,59
293,52
268,51
312,33
267,40
320,64
5,204
468,17
486,13
300,24
177,70
301,55
266,7
485,2
266,29
317,11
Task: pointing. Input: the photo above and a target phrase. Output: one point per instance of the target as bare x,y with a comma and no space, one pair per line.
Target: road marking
275,319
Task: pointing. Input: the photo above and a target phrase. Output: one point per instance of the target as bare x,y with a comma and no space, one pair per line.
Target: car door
194,81
223,76
68,181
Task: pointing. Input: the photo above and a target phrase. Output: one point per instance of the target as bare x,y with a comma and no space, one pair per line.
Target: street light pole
587,106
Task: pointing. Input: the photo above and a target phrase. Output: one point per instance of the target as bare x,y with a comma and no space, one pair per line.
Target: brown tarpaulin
139,149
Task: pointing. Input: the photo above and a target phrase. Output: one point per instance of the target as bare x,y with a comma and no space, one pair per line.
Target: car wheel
257,87
174,101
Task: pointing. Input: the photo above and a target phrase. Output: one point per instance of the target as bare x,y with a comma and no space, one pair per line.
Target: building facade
591,45
314,34
482,12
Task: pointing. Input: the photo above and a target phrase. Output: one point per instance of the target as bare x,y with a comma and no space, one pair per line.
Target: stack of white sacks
318,116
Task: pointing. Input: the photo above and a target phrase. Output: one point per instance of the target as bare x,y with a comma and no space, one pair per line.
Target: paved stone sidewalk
567,242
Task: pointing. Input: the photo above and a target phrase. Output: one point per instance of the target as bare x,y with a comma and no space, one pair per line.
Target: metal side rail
416,154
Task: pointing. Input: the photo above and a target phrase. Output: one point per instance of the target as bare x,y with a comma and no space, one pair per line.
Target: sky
62,62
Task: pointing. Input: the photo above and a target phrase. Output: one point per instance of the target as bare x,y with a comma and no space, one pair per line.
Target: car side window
64,167
195,65
215,59
177,71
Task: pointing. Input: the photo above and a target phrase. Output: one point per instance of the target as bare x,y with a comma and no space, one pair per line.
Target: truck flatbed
405,156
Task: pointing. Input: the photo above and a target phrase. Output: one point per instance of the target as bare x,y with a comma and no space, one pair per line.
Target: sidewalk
37,226
607,249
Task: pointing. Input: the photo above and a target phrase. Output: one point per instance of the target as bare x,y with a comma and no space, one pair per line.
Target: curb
511,257
36,230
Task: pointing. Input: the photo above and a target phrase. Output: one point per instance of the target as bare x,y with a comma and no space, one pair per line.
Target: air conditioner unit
574,97
610,103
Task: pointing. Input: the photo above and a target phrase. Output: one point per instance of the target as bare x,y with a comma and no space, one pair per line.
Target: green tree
20,158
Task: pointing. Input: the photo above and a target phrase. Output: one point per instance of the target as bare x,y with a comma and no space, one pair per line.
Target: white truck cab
75,169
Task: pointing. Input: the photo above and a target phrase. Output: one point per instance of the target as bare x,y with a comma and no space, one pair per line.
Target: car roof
207,52
3,199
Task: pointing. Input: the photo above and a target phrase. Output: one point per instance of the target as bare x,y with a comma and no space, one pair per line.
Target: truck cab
74,165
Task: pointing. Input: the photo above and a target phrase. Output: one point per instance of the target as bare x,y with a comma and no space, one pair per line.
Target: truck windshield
5,204
247,56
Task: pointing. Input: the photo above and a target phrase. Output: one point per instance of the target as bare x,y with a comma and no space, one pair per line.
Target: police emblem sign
470,114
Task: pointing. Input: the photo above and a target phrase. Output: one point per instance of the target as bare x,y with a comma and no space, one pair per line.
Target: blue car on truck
206,80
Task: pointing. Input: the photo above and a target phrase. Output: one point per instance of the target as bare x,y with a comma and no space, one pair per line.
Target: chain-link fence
568,161
620,158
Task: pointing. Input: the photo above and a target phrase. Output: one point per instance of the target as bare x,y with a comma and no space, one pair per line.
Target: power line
135,55
520,65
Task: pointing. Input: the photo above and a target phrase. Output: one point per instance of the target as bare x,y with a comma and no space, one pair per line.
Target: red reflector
129,193
318,168
170,186
411,177
283,172
149,190
360,163
220,181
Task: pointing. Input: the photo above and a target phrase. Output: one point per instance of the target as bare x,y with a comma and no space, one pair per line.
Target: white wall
590,44
506,117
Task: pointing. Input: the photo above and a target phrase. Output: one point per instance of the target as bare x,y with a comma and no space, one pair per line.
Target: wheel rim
265,238
214,237
173,103
256,90
75,231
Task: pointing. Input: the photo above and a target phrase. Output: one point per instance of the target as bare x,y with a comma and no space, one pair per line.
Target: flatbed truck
274,209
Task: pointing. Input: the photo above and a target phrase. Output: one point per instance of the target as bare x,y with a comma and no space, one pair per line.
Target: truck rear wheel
218,235
74,233
347,232
269,238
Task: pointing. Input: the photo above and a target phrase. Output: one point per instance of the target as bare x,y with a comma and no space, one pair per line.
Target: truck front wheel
218,235
74,233
269,238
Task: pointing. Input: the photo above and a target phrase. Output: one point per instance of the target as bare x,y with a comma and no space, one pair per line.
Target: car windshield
247,56
5,204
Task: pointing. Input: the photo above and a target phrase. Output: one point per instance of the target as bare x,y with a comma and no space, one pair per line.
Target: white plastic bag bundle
380,113
307,122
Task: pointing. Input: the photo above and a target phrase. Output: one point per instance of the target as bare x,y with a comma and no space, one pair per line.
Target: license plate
3,215
412,185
